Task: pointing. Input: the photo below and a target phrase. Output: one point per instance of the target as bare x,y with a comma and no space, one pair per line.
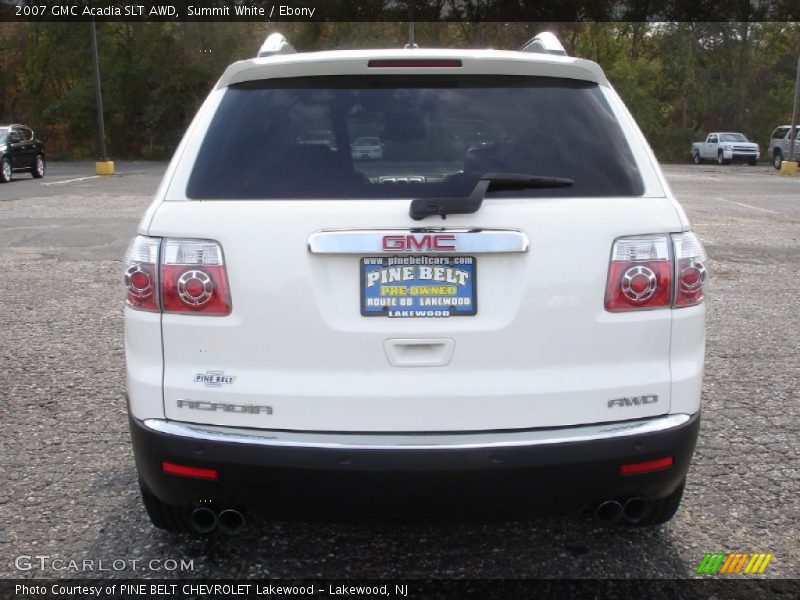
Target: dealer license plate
418,286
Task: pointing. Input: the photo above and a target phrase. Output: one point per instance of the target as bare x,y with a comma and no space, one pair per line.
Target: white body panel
542,350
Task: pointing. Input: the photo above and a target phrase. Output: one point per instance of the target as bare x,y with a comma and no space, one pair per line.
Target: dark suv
20,151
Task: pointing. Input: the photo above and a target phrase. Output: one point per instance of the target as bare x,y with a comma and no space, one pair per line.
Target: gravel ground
70,486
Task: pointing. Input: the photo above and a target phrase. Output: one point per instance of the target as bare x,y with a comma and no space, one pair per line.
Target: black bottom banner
506,589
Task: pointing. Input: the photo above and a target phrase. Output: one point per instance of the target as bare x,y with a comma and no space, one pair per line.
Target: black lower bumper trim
566,475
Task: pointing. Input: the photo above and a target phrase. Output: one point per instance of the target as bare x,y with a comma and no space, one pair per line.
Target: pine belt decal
214,378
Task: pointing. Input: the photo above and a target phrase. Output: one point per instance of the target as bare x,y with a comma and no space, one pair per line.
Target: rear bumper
565,467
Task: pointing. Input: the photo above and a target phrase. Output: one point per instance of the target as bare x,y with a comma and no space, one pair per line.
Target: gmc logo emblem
410,243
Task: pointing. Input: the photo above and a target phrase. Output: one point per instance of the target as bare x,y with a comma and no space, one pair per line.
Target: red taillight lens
690,269
140,276
646,466
193,278
186,471
640,274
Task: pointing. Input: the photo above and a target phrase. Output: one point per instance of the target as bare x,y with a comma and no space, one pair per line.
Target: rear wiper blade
425,207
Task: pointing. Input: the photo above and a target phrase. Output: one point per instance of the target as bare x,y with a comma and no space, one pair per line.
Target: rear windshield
410,137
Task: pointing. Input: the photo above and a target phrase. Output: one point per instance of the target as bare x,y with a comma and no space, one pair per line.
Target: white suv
521,319
779,143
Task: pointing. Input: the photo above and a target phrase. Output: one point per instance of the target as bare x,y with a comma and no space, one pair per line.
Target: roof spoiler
545,43
275,44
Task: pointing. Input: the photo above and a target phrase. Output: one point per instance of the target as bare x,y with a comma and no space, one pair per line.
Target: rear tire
39,167
162,515
663,509
777,159
6,171
696,157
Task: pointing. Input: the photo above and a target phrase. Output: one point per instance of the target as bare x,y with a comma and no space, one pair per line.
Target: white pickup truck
725,147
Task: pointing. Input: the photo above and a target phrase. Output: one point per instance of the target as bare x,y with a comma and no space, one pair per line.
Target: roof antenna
411,43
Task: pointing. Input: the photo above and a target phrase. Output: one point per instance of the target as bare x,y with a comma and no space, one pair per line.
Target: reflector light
419,62
186,471
646,466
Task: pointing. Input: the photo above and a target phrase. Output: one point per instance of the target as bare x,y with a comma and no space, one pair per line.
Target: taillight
193,278
690,269
177,276
656,271
141,284
640,274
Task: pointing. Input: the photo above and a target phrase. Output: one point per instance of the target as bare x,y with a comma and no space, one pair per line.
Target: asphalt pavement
69,485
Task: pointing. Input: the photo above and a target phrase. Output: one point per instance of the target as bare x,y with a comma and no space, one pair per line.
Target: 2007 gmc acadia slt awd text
506,304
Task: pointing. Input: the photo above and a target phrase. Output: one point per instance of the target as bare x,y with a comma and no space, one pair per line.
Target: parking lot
69,485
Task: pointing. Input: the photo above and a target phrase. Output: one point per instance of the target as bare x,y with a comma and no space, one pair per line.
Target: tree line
679,80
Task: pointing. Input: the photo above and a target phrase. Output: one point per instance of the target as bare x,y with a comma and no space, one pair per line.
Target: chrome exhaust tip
203,520
231,521
609,511
635,509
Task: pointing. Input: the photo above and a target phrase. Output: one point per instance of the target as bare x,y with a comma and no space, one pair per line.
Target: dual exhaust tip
205,520
231,521
632,510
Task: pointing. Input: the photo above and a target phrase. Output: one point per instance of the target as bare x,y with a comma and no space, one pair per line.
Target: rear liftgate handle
419,352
